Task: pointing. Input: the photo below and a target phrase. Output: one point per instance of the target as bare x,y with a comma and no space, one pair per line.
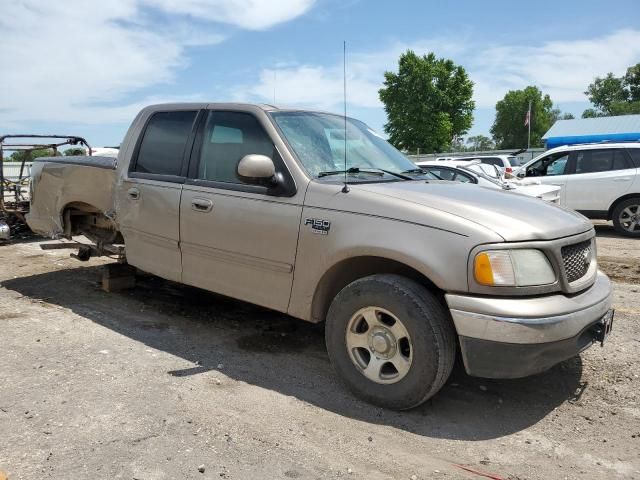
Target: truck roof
232,105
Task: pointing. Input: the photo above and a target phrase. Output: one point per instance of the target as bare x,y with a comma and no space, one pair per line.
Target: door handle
622,179
133,193
201,205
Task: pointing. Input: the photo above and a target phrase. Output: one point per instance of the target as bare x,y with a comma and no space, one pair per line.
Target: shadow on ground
606,230
286,355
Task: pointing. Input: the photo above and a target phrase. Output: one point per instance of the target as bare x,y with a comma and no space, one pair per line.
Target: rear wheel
626,217
390,340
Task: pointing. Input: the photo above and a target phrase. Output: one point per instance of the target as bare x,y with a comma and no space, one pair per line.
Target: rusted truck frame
14,204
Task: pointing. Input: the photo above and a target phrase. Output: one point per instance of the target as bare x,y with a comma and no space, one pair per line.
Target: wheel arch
78,216
350,269
618,201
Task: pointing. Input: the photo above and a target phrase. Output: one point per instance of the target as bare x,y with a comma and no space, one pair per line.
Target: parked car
256,203
506,163
601,181
488,176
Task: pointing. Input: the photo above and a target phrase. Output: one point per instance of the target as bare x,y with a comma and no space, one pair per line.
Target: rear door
599,177
149,197
552,169
238,239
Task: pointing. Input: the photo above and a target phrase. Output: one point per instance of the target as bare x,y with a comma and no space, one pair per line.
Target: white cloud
563,69
79,60
250,14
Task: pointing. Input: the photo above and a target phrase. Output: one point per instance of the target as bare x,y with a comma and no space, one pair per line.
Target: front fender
439,255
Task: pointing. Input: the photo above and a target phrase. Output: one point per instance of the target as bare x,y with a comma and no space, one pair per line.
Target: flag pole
529,125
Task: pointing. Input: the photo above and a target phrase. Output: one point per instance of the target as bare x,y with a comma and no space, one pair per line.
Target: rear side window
591,161
165,138
635,156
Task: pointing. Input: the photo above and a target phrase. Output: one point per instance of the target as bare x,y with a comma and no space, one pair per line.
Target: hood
514,217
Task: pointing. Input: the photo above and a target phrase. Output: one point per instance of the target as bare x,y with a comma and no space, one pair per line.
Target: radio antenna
345,188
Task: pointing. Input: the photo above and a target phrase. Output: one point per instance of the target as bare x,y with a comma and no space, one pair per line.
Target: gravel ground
169,382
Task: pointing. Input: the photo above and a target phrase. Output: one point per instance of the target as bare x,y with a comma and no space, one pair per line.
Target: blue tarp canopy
624,128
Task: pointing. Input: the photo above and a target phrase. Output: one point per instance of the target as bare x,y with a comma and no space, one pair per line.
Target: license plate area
603,327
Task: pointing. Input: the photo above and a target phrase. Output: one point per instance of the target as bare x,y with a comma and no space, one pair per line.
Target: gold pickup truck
317,216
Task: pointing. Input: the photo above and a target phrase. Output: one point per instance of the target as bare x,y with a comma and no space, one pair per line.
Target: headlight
513,268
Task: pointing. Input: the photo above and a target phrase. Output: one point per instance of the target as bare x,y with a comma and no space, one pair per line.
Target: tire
626,217
421,362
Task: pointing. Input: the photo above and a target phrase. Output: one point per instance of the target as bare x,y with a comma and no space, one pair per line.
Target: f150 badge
318,225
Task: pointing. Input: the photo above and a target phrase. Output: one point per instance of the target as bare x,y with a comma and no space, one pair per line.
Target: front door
237,239
149,196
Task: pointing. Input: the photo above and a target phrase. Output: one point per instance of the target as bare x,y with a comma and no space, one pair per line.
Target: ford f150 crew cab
320,218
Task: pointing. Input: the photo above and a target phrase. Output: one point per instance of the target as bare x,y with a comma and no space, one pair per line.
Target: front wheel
626,217
390,340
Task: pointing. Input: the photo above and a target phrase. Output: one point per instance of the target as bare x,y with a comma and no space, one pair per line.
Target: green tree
19,155
509,129
558,115
592,113
478,143
74,152
614,95
428,103
631,83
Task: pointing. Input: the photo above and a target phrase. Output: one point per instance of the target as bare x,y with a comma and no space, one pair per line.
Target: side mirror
521,174
256,168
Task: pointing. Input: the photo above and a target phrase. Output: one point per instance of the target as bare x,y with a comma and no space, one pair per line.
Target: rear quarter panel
56,185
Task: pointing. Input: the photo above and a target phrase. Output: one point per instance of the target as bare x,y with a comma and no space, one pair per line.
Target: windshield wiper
372,170
350,170
414,170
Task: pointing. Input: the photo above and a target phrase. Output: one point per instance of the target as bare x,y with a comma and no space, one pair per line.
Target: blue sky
92,64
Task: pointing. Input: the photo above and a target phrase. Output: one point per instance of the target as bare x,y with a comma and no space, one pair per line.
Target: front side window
228,137
592,161
550,165
318,140
442,173
162,148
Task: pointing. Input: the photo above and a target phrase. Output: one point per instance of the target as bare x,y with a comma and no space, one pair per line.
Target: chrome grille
576,259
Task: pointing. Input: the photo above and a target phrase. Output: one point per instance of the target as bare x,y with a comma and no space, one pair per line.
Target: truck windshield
318,139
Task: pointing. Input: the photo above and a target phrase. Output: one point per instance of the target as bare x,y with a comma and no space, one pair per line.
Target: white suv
600,181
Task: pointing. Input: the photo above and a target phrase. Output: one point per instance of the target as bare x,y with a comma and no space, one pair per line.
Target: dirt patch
155,382
622,269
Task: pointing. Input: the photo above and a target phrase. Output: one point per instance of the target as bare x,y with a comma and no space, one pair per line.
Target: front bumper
515,337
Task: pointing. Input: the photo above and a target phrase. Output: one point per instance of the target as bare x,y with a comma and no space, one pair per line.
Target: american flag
527,118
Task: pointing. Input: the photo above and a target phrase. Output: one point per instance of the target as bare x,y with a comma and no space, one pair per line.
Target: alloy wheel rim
379,345
629,218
